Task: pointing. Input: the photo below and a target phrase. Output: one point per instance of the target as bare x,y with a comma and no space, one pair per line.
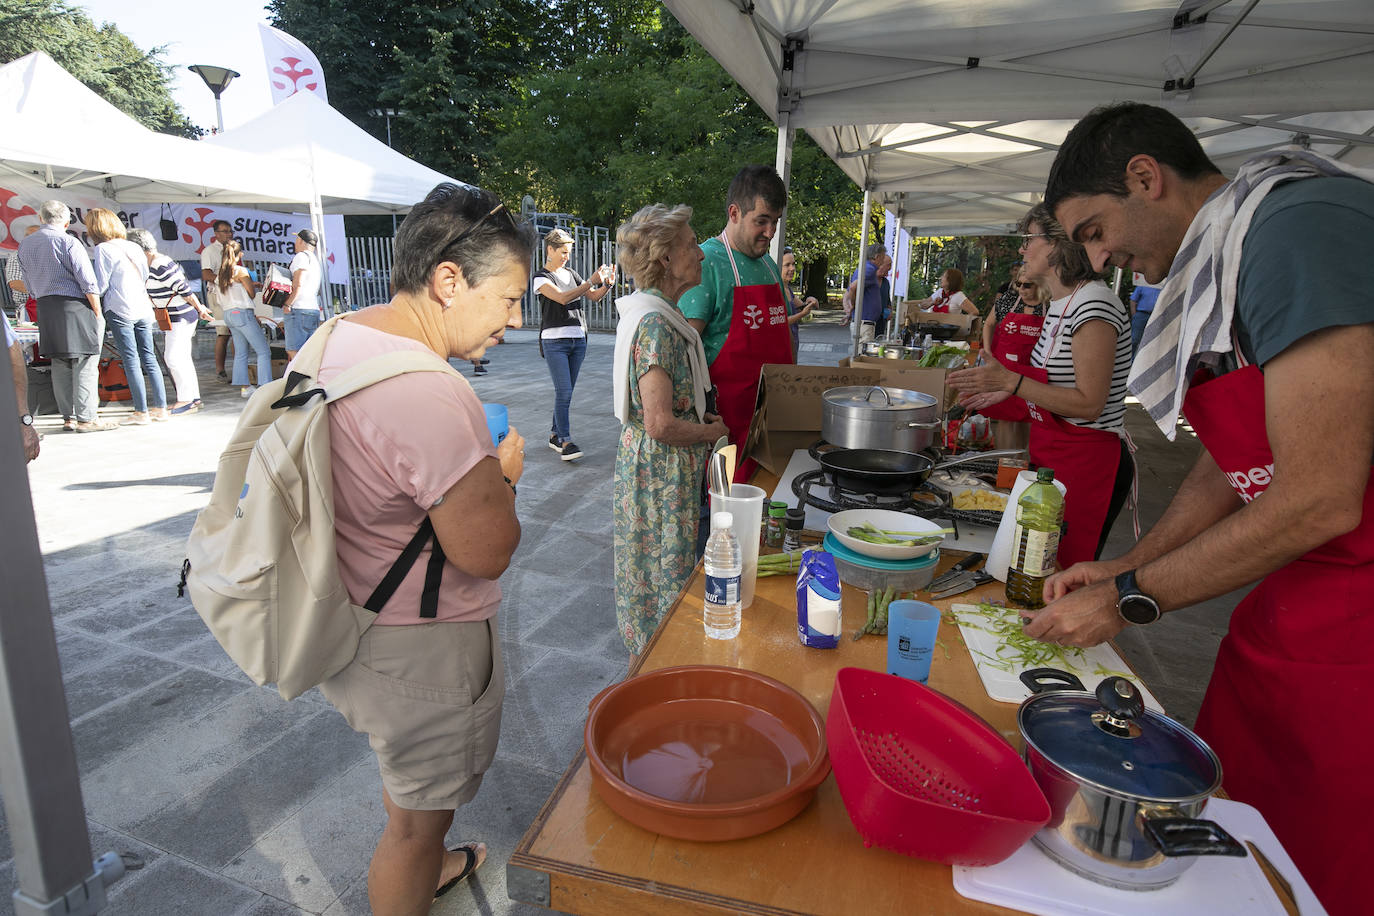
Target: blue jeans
564,356
247,333
133,338
1138,321
300,324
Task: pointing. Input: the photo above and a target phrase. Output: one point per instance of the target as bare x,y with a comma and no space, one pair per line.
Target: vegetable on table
872,534
878,602
1015,649
778,564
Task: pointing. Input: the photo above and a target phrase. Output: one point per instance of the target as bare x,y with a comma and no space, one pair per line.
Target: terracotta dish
704,752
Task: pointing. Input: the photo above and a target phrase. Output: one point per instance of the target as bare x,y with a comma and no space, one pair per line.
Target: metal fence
369,271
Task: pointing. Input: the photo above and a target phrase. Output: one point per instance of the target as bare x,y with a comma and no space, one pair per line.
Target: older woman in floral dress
661,384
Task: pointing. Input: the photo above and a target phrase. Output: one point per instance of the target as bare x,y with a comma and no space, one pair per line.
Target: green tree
103,58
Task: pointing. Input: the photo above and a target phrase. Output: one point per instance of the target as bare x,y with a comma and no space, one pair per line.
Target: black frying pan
887,472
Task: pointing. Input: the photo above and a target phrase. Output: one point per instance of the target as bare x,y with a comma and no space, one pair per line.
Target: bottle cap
796,518
1045,475
777,510
722,520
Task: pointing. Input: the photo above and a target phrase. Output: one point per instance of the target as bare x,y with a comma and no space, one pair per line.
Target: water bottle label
722,590
1034,552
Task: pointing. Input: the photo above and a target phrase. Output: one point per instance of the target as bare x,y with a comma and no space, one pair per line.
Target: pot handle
1044,680
933,424
1186,836
869,396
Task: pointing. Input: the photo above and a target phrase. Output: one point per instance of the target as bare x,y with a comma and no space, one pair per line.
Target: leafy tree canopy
102,57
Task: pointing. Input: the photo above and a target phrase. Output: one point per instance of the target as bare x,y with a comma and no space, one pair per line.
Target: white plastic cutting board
1006,685
1215,886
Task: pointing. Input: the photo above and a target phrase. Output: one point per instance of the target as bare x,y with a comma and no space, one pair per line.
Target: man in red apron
738,309
1261,284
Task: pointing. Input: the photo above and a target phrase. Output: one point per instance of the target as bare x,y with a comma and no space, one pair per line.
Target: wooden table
580,857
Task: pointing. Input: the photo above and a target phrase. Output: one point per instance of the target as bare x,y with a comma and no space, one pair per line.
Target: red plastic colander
921,775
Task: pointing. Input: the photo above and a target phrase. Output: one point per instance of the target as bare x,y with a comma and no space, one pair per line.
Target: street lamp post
387,113
218,79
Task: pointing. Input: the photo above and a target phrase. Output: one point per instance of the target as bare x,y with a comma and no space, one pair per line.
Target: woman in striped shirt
1074,387
168,289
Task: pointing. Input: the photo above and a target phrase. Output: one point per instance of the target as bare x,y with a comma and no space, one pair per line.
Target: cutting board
1032,882
1091,665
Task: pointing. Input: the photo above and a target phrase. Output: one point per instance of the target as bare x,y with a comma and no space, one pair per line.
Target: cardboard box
787,415
278,370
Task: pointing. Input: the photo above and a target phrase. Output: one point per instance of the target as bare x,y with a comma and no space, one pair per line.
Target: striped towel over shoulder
1191,323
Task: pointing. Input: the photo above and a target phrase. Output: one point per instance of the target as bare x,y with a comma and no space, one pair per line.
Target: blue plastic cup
498,421
911,629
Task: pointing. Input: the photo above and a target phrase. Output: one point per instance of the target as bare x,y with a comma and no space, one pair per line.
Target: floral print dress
657,492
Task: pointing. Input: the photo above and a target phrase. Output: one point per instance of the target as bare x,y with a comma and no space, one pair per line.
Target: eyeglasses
1025,286
1027,236
499,208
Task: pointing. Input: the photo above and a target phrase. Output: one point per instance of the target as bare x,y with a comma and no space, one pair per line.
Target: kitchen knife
950,574
1282,889
965,581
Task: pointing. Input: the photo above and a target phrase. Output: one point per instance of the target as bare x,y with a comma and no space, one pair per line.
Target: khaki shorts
428,696
212,303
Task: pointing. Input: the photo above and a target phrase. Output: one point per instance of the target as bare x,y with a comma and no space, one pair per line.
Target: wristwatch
26,419
1132,604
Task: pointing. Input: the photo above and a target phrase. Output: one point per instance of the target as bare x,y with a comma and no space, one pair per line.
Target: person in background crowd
428,692
234,289
1074,386
950,296
871,310
1143,296
1010,335
121,273
168,289
301,310
661,382
210,258
71,327
19,289
738,308
797,310
563,329
479,366
20,374
1261,340
885,288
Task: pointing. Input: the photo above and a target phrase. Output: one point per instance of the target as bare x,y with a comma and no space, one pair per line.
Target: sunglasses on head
499,208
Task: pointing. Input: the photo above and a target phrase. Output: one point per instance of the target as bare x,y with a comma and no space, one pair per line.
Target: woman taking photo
416,447
121,273
236,300
660,384
563,329
1074,386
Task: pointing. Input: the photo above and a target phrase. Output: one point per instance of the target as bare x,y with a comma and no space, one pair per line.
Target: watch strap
1129,596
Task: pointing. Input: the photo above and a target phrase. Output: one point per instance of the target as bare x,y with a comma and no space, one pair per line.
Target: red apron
1012,343
1288,706
758,335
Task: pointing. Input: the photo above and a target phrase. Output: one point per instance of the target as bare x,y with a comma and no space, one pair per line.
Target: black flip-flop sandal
469,850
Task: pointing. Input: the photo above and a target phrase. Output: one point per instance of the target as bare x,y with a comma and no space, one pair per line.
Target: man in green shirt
739,308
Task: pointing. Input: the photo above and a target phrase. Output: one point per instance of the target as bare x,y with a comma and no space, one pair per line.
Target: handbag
168,227
164,321
277,286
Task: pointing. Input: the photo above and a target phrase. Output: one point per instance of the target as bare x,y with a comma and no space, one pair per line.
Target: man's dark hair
1093,157
214,226
753,182
462,224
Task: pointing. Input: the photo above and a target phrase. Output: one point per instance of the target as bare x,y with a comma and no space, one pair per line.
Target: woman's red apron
1012,343
758,335
1288,706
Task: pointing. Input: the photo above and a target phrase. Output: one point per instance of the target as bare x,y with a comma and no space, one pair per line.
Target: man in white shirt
210,257
302,307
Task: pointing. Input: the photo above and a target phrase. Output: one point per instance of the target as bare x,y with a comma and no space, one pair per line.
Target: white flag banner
291,66
898,242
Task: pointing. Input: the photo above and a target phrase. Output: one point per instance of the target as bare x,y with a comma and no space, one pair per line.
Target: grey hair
54,213
872,252
644,239
143,239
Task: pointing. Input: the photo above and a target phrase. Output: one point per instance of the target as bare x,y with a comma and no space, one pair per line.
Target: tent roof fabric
58,133
354,172
951,112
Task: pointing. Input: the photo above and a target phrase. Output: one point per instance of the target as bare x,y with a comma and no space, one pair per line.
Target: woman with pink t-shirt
427,683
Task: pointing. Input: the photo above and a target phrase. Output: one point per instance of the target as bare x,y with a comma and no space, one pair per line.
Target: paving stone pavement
243,804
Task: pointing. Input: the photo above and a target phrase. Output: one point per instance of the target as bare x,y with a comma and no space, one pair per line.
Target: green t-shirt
713,301
1301,269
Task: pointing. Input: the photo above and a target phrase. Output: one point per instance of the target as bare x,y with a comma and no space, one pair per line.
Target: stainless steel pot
1126,785
889,350
893,419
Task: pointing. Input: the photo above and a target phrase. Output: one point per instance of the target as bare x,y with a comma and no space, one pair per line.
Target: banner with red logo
264,235
291,66
898,242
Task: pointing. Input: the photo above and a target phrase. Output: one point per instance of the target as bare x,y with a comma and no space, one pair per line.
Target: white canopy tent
59,134
950,113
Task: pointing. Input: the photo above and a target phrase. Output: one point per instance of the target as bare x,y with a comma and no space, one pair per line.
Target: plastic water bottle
724,564
1035,540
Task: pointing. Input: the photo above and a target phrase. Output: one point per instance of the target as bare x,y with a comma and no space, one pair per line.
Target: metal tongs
960,578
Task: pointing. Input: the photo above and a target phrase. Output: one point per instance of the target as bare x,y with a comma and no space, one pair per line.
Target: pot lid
1111,740
877,397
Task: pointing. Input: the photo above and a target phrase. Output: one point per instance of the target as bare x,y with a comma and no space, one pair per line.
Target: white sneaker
247,392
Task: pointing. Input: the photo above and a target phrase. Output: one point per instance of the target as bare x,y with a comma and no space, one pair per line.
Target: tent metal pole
38,774
784,167
857,316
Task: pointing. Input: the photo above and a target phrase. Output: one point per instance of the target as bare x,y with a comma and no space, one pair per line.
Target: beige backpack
260,563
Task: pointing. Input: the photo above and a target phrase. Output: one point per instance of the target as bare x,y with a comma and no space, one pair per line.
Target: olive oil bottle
1035,540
